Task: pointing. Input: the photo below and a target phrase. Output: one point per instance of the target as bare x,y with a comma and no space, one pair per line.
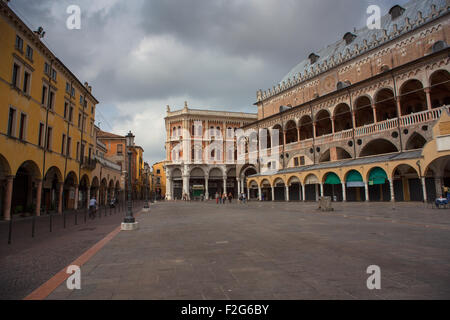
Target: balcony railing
88,163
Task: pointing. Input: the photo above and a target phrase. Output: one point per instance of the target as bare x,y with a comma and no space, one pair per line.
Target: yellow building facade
159,180
46,127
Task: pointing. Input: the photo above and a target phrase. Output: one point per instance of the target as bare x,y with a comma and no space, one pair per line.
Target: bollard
51,222
33,226
10,229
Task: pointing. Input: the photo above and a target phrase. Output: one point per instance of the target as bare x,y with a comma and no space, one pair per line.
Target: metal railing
20,228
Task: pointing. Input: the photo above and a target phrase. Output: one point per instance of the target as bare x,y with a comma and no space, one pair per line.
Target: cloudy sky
141,55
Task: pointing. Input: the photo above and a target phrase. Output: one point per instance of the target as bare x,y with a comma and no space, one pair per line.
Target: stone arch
338,154
440,88
407,184
378,184
306,128
323,123
291,132
216,173
32,169
385,105
332,185
293,179
277,128
195,171
412,97
248,170
415,141
311,179
278,180
5,168
378,146
25,188
176,173
53,173
363,111
342,117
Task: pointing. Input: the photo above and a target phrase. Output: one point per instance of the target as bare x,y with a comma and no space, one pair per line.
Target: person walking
224,198
244,198
217,198
92,207
230,197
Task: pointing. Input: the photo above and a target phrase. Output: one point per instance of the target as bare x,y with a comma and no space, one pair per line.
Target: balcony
88,163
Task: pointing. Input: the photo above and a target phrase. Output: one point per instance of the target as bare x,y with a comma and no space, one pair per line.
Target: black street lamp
130,143
146,205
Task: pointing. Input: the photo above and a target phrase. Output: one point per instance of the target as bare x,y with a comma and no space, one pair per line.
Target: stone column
273,193
354,119
374,110
424,189
38,197
428,94
314,130
168,187
391,187
8,198
206,187
286,193
344,195
259,193
399,108
186,185
225,185
316,186
60,197
248,194
76,197
332,125
366,191
242,186
303,193
321,189
238,186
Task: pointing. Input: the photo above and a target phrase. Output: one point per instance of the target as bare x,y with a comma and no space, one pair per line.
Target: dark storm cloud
140,55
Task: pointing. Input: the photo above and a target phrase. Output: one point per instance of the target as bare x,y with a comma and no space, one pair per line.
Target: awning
377,176
354,179
332,178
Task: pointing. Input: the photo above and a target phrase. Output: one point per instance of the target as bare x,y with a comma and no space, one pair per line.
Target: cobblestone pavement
273,251
28,262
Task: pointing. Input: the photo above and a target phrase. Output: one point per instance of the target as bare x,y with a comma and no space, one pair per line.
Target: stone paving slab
273,251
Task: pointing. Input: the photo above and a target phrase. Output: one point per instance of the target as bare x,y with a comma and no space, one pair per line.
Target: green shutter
354,176
332,178
377,176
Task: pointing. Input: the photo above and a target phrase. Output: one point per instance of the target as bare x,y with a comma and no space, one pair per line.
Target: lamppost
129,223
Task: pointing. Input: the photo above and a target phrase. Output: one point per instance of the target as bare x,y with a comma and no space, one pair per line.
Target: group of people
221,198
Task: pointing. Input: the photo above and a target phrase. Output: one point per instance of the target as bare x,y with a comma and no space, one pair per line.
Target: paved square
273,251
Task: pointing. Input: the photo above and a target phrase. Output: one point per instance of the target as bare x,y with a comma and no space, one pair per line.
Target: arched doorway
215,182
437,176
95,188
266,190
279,189
306,128
24,189
323,123
197,185
232,183
342,118
379,187
407,184
355,187
177,182
291,132
412,97
83,192
104,190
311,185
386,107
332,186
440,88
50,189
69,191
363,111
295,189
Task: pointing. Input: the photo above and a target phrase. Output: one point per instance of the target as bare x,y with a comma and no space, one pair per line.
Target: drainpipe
398,115
353,123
